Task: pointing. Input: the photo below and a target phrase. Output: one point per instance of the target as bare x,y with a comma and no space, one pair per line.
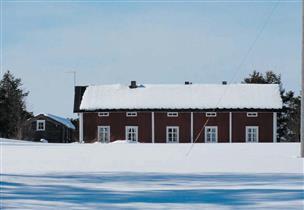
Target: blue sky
151,42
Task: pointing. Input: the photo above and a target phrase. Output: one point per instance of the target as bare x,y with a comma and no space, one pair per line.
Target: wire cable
236,72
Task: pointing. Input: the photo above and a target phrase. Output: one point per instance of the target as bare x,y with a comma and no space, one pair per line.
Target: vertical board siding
221,120
264,121
118,120
182,121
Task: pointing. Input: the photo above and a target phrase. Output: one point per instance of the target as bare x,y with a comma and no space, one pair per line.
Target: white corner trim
81,127
191,127
275,127
230,127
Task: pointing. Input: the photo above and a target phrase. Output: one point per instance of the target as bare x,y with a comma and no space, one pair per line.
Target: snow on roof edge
173,96
61,120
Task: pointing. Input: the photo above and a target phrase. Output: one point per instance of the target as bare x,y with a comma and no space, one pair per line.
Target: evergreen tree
289,117
292,115
12,106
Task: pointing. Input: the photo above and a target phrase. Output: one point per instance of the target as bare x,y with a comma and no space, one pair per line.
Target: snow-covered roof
61,120
194,96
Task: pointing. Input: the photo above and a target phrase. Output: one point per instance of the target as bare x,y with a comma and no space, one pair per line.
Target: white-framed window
210,114
172,114
103,134
252,134
252,114
172,134
103,114
211,134
132,133
131,114
40,125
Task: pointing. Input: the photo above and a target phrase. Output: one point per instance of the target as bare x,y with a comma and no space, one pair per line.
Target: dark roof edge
78,93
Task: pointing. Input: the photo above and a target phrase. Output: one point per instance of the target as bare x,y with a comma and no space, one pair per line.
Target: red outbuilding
187,113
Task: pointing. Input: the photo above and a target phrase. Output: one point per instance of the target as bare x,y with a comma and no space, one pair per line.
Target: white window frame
108,134
177,134
127,133
37,125
216,134
252,114
211,114
103,114
257,133
131,114
172,114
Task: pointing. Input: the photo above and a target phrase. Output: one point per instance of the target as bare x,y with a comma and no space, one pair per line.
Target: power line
235,73
258,36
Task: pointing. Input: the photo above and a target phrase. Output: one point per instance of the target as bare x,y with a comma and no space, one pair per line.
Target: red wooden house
185,113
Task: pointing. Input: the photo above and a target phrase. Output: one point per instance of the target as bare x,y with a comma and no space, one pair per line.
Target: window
252,114
132,133
131,114
103,114
252,133
40,125
211,134
172,134
104,134
210,114
172,114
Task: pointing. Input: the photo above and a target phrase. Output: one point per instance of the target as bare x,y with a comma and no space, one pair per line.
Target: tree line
13,111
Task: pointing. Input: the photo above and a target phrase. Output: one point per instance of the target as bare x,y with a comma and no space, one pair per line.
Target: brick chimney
133,85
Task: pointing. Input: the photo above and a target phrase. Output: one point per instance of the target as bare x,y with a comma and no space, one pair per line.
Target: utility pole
302,86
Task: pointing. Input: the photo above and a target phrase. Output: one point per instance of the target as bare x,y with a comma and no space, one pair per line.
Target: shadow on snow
93,188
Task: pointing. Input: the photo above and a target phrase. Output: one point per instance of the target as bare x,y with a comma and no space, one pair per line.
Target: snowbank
124,142
175,158
150,176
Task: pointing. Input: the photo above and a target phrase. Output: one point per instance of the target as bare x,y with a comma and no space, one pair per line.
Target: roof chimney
133,85
224,82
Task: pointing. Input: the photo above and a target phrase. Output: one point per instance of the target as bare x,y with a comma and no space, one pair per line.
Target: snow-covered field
151,176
